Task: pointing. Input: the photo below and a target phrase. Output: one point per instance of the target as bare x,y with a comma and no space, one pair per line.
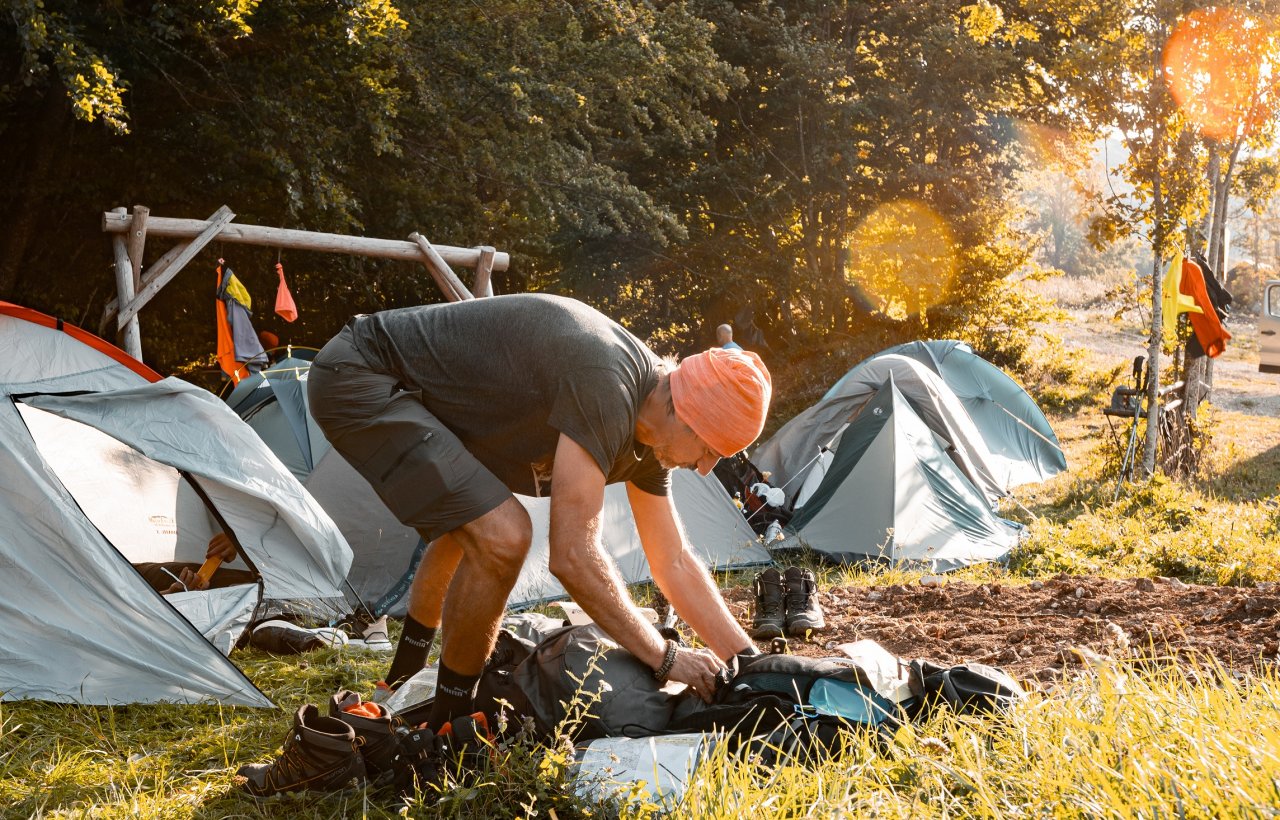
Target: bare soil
1044,631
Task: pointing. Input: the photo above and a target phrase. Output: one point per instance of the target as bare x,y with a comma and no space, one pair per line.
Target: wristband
668,661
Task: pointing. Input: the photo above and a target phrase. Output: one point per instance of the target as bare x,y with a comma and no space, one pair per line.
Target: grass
1125,739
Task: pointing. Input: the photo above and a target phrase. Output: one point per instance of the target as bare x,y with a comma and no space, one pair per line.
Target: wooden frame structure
134,289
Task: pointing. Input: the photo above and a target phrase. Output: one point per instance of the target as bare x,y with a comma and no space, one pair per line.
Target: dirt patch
1044,631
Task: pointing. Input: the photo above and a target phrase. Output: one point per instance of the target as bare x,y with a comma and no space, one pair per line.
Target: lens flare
1043,143
902,259
1214,62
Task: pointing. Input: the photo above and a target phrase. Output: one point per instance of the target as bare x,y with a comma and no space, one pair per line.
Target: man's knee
499,540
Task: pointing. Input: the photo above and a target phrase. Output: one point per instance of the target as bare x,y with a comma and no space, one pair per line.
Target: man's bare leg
426,601
431,580
493,549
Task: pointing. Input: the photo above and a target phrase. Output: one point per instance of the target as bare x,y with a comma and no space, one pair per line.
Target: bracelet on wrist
668,661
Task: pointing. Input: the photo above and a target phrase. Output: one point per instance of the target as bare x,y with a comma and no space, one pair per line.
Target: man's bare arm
682,577
579,562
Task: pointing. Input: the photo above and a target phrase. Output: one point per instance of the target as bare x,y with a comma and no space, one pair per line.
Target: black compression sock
411,652
455,696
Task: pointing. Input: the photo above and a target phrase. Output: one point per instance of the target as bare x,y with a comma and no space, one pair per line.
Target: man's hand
699,669
221,547
187,582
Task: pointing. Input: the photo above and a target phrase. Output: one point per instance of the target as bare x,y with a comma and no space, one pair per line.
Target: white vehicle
1269,329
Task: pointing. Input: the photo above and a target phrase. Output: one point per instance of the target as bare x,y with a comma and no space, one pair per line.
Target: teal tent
274,403
1023,446
893,492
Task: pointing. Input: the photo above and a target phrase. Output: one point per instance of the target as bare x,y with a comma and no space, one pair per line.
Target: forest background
813,172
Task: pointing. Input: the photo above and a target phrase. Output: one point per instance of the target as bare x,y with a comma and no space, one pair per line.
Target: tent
1021,443
716,529
105,465
274,403
893,492
795,449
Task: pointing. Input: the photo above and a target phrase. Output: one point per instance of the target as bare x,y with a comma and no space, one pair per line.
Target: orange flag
285,308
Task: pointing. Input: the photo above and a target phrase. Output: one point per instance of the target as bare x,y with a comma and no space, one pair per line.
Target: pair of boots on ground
786,602
360,742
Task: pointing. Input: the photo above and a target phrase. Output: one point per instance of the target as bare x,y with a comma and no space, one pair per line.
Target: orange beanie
723,395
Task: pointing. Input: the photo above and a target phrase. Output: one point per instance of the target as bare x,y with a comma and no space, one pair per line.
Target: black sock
455,696
411,652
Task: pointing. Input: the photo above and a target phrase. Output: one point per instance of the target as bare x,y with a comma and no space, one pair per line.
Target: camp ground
891,465
106,464
274,403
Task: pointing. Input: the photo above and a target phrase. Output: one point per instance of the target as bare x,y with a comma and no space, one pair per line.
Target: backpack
581,673
967,689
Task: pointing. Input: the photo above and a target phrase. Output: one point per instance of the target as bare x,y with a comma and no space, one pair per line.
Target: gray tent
105,465
275,404
795,448
1021,443
893,492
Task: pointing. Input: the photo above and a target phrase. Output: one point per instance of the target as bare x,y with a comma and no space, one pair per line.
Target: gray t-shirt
509,374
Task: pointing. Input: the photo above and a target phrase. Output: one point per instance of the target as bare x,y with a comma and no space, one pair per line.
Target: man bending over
447,410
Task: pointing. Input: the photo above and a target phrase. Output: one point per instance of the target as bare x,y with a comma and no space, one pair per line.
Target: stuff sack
579,672
780,702
968,688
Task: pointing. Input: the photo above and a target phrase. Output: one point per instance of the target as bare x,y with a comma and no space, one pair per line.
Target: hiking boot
416,766
803,613
466,745
768,620
375,733
319,755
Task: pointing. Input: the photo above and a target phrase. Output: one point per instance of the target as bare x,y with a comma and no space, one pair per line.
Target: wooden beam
132,341
157,268
213,226
484,269
448,281
137,241
116,222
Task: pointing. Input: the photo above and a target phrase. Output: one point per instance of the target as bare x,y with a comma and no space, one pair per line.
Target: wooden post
157,267
138,241
132,336
216,222
448,281
484,271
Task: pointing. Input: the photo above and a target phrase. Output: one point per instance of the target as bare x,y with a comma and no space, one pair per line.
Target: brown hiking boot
803,612
375,733
768,619
319,755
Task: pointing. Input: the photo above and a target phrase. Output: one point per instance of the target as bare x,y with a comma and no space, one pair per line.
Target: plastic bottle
417,689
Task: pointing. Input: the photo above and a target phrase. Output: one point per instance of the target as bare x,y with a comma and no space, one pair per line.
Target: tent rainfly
105,465
1022,445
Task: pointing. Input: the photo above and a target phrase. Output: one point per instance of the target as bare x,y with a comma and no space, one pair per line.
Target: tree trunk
1215,177
1157,334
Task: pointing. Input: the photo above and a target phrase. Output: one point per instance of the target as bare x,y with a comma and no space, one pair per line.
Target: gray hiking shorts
418,467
